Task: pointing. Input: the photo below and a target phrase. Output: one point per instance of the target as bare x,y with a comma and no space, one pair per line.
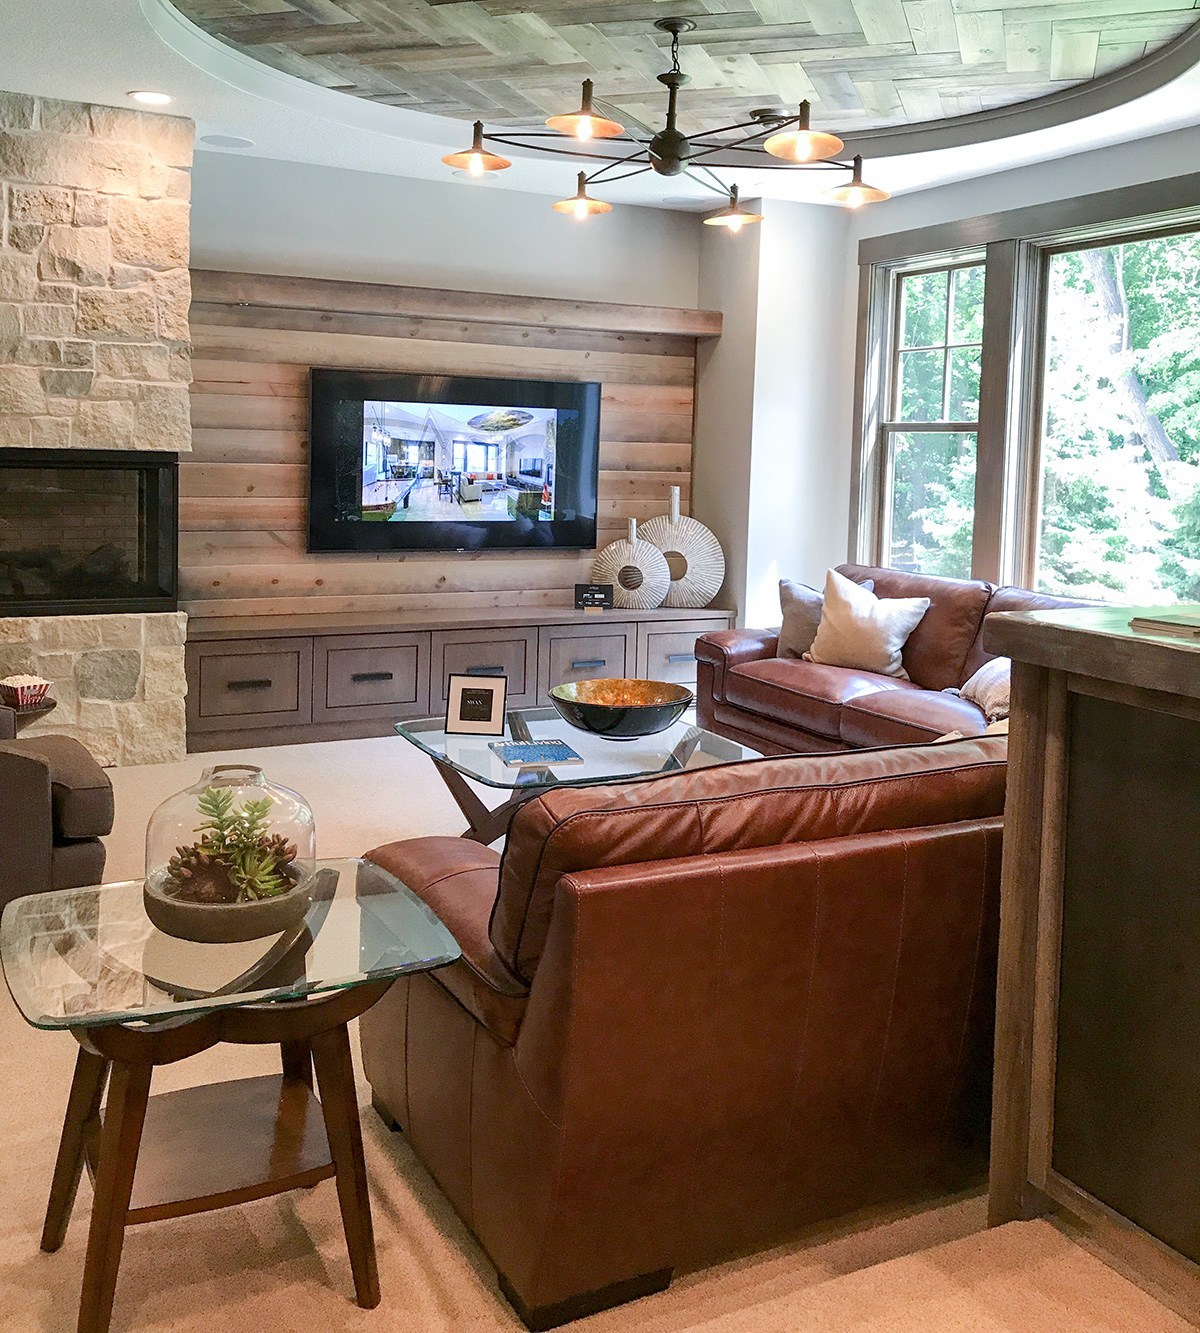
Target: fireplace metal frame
159,480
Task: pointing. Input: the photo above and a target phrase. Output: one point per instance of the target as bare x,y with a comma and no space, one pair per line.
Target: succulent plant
236,858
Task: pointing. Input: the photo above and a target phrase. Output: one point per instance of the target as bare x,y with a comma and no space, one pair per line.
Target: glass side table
682,745
90,961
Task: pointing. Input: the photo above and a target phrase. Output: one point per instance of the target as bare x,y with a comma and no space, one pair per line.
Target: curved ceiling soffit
1105,92
1099,94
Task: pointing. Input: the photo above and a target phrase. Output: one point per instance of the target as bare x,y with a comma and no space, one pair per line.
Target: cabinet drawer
483,652
371,675
599,652
670,654
245,686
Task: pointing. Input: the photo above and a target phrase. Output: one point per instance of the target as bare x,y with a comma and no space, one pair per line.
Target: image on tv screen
450,462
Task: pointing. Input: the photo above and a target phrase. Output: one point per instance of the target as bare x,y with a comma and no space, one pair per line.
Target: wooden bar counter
1097,1093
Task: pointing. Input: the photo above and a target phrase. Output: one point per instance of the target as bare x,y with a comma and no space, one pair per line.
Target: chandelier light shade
580,205
586,123
769,140
477,159
802,144
856,192
733,217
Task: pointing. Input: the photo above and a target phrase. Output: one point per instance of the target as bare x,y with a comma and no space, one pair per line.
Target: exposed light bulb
475,164
584,129
581,209
734,224
855,198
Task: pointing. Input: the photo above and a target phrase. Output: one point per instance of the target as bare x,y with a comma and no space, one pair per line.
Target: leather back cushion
1012,599
762,803
936,651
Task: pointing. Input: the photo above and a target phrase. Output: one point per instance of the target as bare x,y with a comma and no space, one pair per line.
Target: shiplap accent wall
243,489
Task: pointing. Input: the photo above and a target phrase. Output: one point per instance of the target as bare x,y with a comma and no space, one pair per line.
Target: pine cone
198,877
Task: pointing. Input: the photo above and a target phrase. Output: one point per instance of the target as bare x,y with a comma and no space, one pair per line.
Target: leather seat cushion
804,694
905,716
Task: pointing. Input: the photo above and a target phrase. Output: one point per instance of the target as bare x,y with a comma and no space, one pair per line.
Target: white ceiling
99,50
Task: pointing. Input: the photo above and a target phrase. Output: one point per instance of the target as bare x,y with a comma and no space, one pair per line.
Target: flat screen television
401,462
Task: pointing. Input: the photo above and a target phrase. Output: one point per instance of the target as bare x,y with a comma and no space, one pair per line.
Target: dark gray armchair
56,803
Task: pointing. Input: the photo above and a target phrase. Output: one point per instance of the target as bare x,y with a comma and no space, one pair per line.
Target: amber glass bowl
621,709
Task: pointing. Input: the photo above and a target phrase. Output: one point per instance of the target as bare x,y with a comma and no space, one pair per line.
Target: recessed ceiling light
226,141
151,99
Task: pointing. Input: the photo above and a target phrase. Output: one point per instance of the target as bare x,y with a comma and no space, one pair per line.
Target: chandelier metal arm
716,185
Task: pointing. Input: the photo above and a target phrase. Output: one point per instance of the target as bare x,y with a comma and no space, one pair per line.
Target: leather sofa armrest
8,723
458,879
726,648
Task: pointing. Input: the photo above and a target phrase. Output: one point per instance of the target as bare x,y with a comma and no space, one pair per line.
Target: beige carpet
281,1264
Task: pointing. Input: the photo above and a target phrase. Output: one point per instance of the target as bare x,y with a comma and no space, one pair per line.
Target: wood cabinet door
585,652
357,677
487,651
247,684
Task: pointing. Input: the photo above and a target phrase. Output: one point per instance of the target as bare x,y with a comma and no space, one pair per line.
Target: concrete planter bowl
225,923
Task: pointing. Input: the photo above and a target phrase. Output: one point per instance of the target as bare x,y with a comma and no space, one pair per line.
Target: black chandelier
768,140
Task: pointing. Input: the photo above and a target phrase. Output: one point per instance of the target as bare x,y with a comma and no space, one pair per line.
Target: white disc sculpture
694,556
637,570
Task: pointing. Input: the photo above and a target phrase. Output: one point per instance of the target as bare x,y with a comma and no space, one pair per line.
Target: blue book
531,753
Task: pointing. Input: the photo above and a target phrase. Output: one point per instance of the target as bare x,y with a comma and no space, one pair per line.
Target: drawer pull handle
363,677
681,657
485,671
588,663
249,684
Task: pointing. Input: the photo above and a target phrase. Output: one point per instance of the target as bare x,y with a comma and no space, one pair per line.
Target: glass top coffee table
459,758
90,960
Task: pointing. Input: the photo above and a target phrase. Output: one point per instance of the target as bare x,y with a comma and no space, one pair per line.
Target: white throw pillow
801,607
988,689
861,630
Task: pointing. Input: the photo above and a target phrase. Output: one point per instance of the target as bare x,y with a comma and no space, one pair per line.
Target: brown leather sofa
697,1012
57,803
782,705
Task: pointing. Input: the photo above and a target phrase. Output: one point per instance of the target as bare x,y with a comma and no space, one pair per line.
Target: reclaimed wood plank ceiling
862,63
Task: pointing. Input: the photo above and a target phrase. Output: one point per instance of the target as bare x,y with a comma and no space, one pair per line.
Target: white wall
729,268
254,215
768,478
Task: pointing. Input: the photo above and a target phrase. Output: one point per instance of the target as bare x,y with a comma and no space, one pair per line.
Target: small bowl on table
621,709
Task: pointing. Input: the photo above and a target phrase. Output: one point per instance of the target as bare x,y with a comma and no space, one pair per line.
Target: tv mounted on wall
401,462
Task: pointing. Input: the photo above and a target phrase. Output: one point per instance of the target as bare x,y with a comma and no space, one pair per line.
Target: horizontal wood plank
243,490
422,302
443,331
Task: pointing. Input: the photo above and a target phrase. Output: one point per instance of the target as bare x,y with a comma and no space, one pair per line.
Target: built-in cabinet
254,682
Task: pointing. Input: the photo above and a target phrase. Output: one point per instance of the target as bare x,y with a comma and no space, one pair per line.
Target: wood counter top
1097,641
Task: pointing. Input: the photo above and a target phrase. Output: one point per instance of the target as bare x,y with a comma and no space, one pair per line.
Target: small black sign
593,596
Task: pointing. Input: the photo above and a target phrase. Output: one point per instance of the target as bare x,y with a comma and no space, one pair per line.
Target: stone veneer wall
119,680
94,354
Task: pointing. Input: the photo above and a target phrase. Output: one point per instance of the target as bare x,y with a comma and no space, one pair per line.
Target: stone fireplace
94,372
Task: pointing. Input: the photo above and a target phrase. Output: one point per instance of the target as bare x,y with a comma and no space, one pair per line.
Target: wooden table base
216,1145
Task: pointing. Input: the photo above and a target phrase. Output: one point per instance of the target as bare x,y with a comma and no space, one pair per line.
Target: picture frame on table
475,705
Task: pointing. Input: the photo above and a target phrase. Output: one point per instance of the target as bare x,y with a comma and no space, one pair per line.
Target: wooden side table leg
297,1060
339,1102
83,1106
120,1139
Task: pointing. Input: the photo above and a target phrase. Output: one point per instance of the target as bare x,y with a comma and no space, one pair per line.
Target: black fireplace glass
87,530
